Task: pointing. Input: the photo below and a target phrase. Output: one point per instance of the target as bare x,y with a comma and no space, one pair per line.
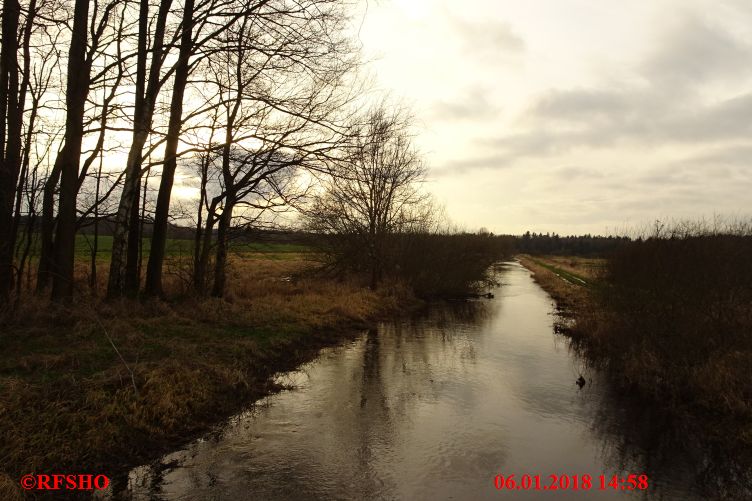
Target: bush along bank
670,321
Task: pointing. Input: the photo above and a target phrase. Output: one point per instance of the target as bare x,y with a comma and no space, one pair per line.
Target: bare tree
374,188
280,59
81,57
69,156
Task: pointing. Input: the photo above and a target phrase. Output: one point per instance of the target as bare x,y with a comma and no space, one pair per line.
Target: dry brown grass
569,296
67,400
591,269
676,334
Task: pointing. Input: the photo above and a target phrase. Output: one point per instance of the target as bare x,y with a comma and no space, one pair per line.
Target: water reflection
430,408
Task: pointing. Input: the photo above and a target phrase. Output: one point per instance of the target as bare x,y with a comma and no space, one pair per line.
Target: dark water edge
721,467
433,408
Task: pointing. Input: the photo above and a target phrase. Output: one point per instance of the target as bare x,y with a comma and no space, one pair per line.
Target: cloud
556,119
474,105
455,166
726,120
486,39
727,156
665,105
693,51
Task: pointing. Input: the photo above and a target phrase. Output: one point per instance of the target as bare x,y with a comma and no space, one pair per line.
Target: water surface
432,408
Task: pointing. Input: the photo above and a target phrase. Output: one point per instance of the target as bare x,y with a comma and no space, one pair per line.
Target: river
434,408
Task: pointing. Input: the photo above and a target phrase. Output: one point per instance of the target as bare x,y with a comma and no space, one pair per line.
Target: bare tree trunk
132,276
220,266
140,233
22,161
153,285
70,155
203,261
47,230
124,266
10,154
198,283
29,234
95,245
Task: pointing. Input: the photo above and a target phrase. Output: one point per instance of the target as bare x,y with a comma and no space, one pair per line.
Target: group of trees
100,97
570,245
372,217
107,103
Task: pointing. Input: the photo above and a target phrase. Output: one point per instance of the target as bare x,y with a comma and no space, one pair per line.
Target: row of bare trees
100,97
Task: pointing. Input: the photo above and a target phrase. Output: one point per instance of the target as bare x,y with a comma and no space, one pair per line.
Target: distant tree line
581,245
256,105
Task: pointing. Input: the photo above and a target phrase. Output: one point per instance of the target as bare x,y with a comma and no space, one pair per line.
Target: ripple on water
427,408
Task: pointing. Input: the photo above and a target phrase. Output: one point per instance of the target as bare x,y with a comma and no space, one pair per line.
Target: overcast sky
573,115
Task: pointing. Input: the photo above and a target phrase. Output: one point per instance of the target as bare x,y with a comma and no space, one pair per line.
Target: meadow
108,384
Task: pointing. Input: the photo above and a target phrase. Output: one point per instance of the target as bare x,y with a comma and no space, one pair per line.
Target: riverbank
683,353
104,386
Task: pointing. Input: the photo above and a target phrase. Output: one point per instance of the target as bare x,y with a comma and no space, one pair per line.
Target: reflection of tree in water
641,439
462,314
374,422
400,361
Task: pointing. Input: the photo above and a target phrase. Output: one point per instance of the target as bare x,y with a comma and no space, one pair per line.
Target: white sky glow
573,116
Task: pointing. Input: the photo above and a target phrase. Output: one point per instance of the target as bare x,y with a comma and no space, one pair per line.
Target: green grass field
183,247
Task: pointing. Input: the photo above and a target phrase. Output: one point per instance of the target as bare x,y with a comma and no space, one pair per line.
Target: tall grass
675,318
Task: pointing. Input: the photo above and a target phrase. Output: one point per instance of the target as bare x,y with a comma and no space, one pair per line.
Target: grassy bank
671,321
102,386
566,279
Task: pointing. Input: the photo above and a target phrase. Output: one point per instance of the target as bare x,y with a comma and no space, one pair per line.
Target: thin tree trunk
153,285
69,157
29,233
198,284
95,245
220,266
132,276
124,265
14,146
203,262
47,230
141,224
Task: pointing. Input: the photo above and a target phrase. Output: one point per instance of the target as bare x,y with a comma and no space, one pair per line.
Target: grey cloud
455,166
579,103
729,119
563,121
575,173
473,106
729,156
487,38
692,51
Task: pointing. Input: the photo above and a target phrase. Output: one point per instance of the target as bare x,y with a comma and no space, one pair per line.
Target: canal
435,408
